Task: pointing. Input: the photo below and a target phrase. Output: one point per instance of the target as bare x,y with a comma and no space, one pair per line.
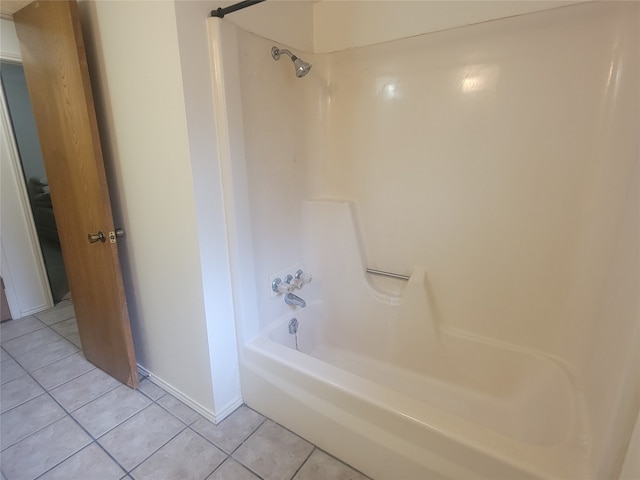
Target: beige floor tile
10,370
179,409
18,391
273,452
66,327
62,371
58,314
151,390
46,354
31,416
75,339
90,462
30,341
232,431
41,451
321,466
136,439
16,328
188,455
231,469
110,410
40,440
84,389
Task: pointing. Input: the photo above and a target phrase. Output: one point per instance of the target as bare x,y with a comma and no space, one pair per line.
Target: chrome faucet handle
303,277
279,286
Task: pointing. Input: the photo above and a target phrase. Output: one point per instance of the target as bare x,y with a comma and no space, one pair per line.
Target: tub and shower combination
492,170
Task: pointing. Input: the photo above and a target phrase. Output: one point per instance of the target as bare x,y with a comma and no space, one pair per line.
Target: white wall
212,233
152,88
135,69
341,24
9,45
290,22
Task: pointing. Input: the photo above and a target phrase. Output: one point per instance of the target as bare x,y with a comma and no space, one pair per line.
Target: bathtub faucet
292,299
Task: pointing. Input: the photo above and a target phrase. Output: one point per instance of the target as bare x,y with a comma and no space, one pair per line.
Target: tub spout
292,299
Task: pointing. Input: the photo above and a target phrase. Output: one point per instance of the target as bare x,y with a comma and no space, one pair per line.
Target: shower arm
302,67
276,52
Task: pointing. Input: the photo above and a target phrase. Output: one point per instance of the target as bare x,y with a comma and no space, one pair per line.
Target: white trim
38,309
9,288
215,417
9,43
10,57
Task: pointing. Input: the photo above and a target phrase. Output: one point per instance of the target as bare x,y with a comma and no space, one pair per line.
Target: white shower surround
502,158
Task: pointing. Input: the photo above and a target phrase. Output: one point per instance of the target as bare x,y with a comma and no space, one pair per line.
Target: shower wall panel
479,152
502,157
276,117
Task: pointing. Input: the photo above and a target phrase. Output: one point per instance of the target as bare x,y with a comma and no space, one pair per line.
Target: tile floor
62,418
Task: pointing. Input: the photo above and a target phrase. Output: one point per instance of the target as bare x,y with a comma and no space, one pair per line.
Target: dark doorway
35,178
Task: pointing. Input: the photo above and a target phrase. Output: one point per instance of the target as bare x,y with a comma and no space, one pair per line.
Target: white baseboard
215,417
34,310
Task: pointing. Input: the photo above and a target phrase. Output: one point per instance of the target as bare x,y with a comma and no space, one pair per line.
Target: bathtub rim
578,429
560,461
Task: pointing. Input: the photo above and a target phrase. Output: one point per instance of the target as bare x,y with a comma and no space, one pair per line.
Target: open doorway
23,125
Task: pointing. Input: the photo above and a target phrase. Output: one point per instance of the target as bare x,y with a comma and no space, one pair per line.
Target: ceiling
8,7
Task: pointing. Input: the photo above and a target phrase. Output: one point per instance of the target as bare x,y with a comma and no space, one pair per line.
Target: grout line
231,459
169,411
15,442
156,450
123,421
93,440
68,414
366,477
226,455
54,361
265,419
29,333
248,437
83,448
305,461
26,333
229,455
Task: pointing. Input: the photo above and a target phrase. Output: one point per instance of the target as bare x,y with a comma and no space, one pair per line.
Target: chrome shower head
302,67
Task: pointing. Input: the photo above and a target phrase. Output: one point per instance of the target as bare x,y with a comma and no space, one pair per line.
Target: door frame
24,212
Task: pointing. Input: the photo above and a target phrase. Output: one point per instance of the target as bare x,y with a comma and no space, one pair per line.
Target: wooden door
55,66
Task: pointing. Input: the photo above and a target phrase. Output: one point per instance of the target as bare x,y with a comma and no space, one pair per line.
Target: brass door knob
97,237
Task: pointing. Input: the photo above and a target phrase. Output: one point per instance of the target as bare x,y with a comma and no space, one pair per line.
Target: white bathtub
376,380
478,410
473,152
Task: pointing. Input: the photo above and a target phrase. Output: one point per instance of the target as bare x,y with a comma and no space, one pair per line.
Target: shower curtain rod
221,12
